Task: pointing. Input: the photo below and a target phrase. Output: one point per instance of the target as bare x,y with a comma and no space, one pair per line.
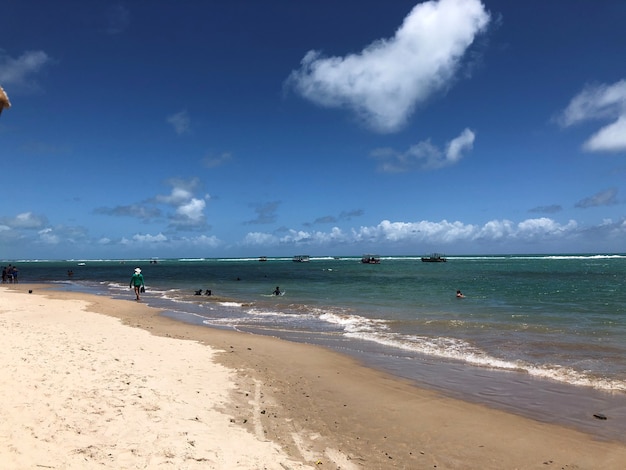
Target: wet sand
93,382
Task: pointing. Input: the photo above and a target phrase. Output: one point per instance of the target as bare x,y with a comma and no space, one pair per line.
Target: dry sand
81,389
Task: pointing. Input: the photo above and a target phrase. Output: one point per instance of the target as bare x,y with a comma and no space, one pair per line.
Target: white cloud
188,208
496,230
425,154
388,79
297,237
457,146
25,220
388,235
600,102
425,232
205,241
192,210
445,232
178,195
48,236
259,239
543,226
19,71
147,238
611,138
180,122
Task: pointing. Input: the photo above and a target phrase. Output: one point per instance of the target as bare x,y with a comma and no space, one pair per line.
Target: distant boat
434,258
263,258
301,259
370,259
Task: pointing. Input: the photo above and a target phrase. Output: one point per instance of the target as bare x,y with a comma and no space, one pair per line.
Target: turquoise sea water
541,335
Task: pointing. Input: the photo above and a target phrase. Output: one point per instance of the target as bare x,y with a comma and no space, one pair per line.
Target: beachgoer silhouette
136,282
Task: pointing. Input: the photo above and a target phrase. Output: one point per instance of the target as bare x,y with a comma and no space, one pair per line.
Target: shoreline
324,408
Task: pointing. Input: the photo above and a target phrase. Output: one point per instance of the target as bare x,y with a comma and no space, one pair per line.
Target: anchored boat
434,258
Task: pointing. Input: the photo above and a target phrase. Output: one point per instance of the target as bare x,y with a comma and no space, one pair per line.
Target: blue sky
244,128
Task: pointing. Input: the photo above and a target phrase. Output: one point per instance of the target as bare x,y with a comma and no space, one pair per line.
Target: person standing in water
276,291
136,282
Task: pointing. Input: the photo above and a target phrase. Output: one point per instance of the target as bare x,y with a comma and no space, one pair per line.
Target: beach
94,382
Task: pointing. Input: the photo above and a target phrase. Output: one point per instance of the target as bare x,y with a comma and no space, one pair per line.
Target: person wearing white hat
136,282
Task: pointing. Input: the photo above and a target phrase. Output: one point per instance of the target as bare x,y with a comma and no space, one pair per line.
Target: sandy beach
92,382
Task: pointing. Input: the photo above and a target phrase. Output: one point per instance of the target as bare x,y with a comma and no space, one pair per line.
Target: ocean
542,336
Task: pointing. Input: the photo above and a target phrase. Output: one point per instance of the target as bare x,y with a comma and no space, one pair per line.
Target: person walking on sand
136,282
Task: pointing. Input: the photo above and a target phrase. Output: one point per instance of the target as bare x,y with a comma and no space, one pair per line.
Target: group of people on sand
9,274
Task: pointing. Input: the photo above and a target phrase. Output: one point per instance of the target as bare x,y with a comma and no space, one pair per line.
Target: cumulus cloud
69,235
204,241
424,155
180,122
600,102
20,72
607,197
259,239
25,220
188,208
48,236
162,242
533,228
458,146
181,192
427,233
388,79
191,212
445,232
147,238
611,138
298,237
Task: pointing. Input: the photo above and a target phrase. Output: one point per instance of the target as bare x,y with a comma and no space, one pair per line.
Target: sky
240,128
